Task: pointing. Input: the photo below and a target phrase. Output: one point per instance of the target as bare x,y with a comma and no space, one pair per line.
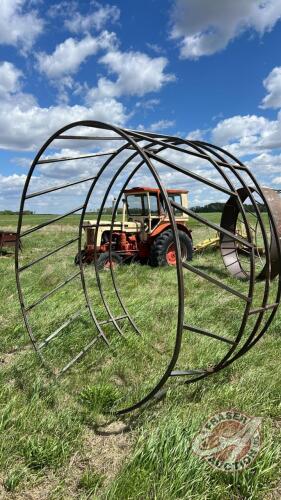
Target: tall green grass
50,429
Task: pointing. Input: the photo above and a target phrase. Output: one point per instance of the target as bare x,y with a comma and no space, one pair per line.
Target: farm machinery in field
152,316
143,234
7,239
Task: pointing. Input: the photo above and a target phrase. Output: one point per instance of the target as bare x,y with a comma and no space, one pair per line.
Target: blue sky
194,68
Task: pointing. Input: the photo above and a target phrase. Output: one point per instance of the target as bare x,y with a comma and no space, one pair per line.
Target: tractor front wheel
83,257
105,262
163,249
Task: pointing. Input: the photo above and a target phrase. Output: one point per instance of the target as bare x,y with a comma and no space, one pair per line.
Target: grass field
58,439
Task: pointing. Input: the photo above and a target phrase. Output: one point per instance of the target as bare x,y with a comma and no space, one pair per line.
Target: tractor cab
144,233
146,206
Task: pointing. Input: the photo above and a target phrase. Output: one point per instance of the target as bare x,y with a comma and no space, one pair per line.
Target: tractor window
153,204
177,199
137,204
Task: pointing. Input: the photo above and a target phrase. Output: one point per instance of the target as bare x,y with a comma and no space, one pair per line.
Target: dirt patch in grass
104,453
275,494
108,449
7,359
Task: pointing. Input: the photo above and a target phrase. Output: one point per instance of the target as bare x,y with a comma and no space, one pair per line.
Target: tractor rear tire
162,252
103,262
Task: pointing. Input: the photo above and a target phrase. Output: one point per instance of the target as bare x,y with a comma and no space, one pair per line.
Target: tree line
12,212
218,207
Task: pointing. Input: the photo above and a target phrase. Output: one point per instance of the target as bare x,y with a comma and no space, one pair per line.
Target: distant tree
218,207
211,207
12,212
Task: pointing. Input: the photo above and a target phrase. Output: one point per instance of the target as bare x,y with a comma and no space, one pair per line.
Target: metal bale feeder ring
165,158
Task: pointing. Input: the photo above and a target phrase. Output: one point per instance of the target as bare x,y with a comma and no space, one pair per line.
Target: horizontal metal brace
216,282
235,167
113,319
160,139
26,266
82,353
40,226
181,373
214,226
57,188
58,287
191,174
263,309
58,330
69,158
207,334
90,138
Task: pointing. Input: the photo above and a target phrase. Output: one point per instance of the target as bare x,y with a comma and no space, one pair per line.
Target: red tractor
143,234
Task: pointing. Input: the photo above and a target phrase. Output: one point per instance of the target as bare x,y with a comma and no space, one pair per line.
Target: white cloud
11,187
266,167
254,139
70,54
26,125
196,135
273,86
248,134
62,9
11,183
251,138
156,48
148,104
18,25
238,127
23,161
266,163
161,125
79,168
137,74
9,78
95,20
108,110
205,27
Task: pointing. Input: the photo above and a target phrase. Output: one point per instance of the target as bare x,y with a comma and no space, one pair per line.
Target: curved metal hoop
156,152
230,216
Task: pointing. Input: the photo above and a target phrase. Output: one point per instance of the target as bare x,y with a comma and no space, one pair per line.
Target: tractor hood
128,226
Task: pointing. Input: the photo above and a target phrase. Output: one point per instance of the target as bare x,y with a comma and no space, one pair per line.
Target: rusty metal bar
125,316
195,329
145,146
47,223
54,290
90,138
55,160
58,330
182,373
57,188
30,264
216,282
82,353
177,148
197,177
254,337
218,228
268,307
